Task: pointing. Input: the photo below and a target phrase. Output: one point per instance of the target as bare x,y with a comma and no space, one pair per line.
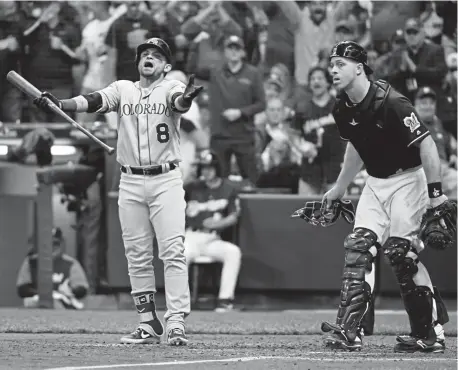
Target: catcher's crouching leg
419,301
360,249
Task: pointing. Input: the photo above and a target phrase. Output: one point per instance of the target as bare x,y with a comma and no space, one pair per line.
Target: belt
150,171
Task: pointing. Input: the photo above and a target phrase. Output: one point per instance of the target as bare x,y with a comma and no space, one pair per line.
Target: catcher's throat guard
316,213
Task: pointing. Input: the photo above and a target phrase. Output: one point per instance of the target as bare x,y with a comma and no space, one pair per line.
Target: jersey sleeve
176,88
341,128
406,123
111,96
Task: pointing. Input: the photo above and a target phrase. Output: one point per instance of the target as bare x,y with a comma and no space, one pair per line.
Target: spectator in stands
37,142
236,94
51,42
425,105
320,143
421,63
69,280
213,207
314,28
99,59
388,63
10,52
278,158
447,101
207,31
280,36
129,31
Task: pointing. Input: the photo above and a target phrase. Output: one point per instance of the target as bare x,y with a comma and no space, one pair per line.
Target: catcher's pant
198,243
148,206
393,207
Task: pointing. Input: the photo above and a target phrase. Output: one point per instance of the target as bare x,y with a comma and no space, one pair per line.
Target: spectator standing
50,45
236,94
422,63
447,101
322,148
129,31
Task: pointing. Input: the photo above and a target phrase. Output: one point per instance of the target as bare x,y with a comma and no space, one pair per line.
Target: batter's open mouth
148,64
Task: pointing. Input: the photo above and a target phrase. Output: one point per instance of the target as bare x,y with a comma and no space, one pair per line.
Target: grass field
50,339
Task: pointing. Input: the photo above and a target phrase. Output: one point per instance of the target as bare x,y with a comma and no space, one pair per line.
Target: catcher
383,133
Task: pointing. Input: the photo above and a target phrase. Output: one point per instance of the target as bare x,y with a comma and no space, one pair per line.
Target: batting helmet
157,43
208,158
351,50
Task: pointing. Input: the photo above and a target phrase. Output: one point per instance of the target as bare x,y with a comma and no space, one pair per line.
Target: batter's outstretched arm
352,164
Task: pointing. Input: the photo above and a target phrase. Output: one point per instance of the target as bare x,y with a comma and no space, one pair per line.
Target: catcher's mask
315,213
156,43
208,158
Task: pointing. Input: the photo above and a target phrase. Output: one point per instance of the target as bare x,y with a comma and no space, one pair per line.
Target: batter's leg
424,306
137,234
359,274
167,214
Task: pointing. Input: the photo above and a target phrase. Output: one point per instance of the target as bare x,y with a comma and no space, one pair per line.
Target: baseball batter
151,196
385,134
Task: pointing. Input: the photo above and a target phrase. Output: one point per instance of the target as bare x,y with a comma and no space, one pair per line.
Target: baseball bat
26,87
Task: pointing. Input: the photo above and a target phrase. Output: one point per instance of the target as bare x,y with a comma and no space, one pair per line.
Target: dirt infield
50,339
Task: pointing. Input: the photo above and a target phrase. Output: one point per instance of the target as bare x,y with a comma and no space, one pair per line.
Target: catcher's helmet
351,50
157,43
208,158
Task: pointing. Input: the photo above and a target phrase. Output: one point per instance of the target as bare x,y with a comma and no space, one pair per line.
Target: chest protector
373,110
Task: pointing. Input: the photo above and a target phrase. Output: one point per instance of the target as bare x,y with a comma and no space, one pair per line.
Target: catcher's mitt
315,213
438,226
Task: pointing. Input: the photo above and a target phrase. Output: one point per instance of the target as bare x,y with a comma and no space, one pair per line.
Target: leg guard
355,292
418,300
146,307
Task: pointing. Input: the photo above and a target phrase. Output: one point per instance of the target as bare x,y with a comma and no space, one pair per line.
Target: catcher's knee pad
405,267
356,292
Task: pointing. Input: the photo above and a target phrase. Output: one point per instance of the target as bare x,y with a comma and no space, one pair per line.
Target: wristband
435,189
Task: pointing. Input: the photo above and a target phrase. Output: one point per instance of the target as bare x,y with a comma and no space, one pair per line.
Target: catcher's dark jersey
384,137
203,202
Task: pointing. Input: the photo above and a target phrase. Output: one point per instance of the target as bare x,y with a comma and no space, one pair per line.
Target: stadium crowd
284,137
266,108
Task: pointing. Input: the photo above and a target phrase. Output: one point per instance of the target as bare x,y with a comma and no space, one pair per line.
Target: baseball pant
154,206
393,207
198,243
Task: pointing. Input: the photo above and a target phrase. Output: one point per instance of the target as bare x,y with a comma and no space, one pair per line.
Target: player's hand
232,114
333,194
191,90
43,102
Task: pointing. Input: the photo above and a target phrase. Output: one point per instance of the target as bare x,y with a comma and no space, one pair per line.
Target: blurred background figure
320,144
10,56
69,279
420,63
212,208
425,104
236,95
129,31
51,36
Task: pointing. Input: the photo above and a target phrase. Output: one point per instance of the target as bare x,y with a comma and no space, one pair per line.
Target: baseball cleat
224,305
177,337
338,341
409,344
145,334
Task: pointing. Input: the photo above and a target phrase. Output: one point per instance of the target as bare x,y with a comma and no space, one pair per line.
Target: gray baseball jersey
148,127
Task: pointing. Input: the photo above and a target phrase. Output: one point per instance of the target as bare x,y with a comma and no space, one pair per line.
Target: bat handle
110,150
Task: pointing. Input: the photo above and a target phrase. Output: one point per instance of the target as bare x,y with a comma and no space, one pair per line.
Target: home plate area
50,339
